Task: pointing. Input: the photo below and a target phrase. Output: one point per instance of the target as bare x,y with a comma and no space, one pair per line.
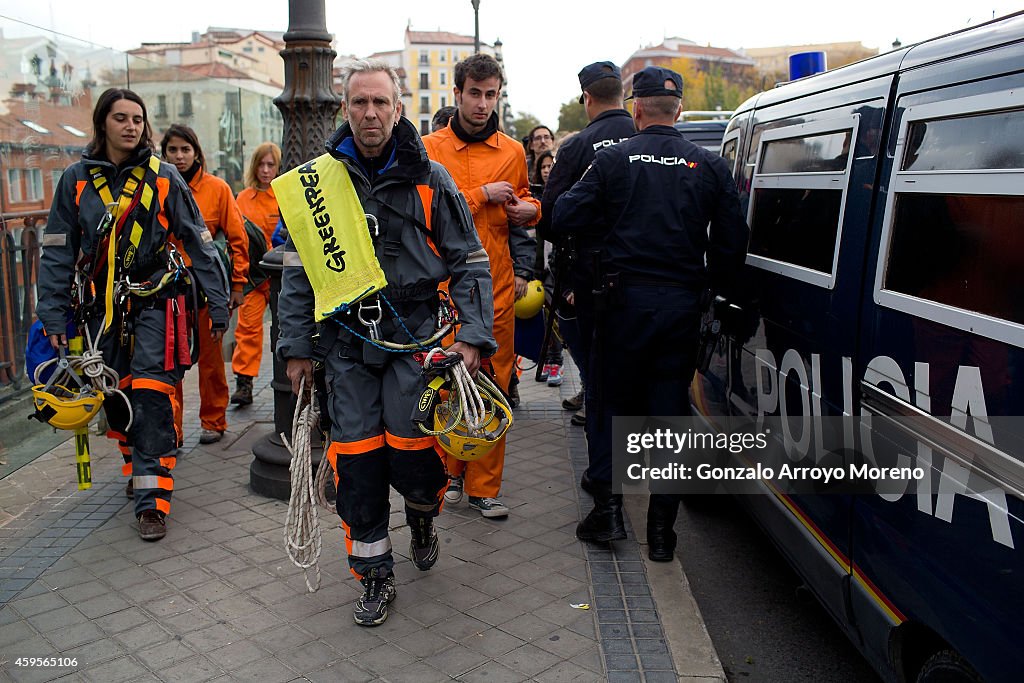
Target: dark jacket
76,213
607,129
646,205
414,270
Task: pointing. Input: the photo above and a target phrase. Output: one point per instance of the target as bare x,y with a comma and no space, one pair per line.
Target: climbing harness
370,314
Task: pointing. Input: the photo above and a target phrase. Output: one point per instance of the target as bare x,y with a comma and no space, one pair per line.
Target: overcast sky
545,44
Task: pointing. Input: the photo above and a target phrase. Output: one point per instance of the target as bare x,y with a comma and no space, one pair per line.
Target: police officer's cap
651,83
592,73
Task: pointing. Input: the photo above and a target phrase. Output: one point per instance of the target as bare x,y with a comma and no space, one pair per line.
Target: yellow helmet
65,408
449,426
530,303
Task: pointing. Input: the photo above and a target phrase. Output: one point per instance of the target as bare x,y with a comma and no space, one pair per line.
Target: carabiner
373,224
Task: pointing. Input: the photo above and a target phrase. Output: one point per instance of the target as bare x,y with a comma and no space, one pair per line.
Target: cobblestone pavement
218,599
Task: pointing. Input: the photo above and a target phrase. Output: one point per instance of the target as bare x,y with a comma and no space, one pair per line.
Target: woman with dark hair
257,203
216,201
551,357
107,264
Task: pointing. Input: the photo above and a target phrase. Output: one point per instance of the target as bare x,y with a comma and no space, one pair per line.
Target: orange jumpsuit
259,206
473,165
216,202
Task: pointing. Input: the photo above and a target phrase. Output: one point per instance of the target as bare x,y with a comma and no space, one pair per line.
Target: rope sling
303,540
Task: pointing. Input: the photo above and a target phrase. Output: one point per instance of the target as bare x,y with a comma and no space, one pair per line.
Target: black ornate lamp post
476,26
308,105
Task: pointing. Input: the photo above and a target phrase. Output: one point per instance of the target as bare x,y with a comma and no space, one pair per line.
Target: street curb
692,651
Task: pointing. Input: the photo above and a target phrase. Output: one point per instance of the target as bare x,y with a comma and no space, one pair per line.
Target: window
24,184
425,104
35,126
74,131
425,125
161,106
14,185
247,48
444,78
424,80
424,57
952,242
797,198
442,56
55,175
444,100
729,152
33,184
186,104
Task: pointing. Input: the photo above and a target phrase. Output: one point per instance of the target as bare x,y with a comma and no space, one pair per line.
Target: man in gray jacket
424,236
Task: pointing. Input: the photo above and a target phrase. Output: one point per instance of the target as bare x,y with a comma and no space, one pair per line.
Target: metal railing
19,272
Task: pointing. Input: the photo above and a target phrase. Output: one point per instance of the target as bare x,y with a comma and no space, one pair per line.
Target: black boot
243,391
604,523
661,518
424,546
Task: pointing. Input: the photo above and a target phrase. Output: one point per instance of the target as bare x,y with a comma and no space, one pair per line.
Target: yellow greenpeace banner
328,227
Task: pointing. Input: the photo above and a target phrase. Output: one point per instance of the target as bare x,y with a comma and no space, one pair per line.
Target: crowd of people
460,219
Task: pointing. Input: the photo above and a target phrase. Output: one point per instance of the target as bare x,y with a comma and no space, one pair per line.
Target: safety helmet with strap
65,402
466,434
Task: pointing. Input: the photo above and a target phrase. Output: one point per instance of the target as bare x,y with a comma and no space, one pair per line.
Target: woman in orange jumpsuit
216,201
257,203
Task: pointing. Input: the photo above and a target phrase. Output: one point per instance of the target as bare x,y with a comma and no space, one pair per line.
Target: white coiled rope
471,408
302,538
101,376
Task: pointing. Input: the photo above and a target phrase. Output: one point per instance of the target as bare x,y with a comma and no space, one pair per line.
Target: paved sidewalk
218,599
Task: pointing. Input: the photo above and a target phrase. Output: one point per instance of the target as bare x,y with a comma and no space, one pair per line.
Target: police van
885,282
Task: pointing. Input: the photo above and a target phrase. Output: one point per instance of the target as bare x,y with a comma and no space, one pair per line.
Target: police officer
646,203
424,235
610,124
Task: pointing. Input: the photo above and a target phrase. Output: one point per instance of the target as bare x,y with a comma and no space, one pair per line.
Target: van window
797,198
953,242
985,141
729,152
965,251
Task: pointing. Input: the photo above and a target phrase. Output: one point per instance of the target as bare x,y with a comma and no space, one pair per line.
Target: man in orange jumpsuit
216,201
489,168
257,203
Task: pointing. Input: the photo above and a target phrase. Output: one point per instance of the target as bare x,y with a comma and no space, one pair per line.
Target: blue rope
373,342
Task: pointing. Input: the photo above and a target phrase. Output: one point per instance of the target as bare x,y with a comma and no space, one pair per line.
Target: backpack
257,249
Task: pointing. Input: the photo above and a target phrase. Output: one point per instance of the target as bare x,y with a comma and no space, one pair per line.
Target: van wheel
946,666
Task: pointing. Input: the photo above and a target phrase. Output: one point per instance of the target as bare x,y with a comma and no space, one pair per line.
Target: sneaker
579,418
152,526
555,376
378,592
423,548
488,507
210,436
574,403
545,372
455,489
